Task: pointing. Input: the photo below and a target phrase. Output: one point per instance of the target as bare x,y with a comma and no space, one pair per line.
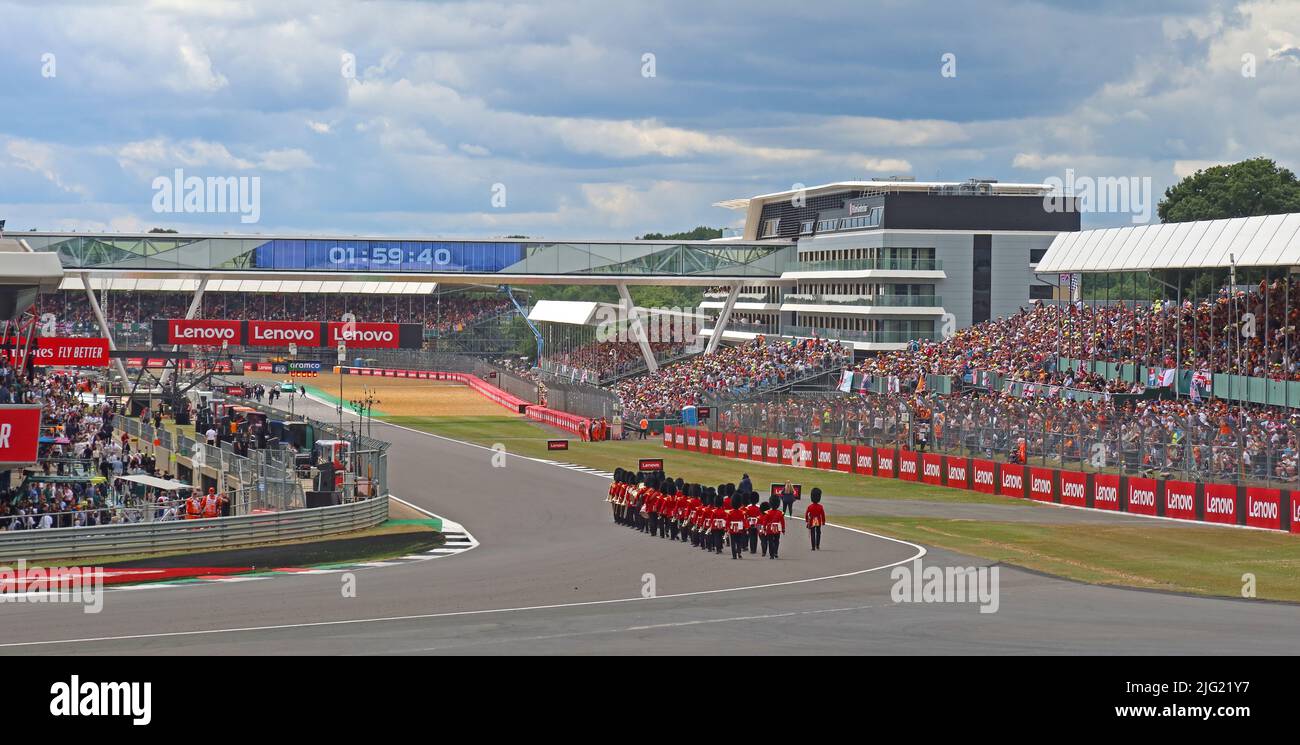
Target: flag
1151,378
846,381
1167,377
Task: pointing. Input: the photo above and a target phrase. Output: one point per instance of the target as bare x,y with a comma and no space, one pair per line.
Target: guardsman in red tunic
737,530
719,527
752,514
814,518
775,529
613,497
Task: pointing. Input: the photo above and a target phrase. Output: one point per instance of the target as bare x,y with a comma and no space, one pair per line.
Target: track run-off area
551,573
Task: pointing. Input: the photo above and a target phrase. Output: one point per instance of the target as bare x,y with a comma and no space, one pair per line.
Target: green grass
1202,561
525,438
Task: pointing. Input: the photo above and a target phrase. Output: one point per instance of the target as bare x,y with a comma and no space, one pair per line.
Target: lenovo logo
338,334
1041,486
931,469
957,473
1221,506
204,333
1071,490
983,477
1266,510
1012,481
279,334
907,466
1107,494
1179,502
1142,497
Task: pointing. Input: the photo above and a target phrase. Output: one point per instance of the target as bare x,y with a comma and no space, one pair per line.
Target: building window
806,227
1036,255
1040,292
982,279
770,227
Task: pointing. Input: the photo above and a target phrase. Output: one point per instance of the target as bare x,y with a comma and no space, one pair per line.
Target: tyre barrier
1214,504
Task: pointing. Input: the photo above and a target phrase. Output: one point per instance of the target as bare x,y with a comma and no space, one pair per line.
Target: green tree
702,233
1252,187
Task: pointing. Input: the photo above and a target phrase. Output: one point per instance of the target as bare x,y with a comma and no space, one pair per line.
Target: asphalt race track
553,574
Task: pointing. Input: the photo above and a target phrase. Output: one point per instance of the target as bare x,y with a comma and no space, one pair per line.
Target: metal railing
191,535
873,337
367,471
886,301
1179,448
267,474
884,263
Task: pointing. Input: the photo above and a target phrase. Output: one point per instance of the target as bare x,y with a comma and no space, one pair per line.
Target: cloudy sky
402,117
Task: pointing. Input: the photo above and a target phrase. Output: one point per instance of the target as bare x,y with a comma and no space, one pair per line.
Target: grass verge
1201,561
525,438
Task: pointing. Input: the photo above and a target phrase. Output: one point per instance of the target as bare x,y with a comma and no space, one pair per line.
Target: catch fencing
264,479
1261,507
367,470
1088,437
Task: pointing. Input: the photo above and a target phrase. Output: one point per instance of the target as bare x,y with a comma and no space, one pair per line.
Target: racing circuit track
553,574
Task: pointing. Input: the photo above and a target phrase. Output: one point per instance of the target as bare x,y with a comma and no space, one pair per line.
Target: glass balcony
872,337
858,265
889,301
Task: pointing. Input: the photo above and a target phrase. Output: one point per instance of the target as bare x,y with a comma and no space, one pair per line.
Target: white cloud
289,159
40,158
320,128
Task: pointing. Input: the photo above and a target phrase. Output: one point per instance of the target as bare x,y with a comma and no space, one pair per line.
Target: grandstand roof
1269,240
577,313
287,287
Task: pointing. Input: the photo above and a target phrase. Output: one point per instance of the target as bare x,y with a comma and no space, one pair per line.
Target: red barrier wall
844,458
1011,480
908,465
1074,488
1180,500
932,469
886,462
1264,508
1105,491
825,452
957,472
1042,484
1140,495
864,460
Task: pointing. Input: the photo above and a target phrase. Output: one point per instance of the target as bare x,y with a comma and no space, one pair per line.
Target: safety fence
1211,503
572,423
366,472
191,535
1250,448
264,479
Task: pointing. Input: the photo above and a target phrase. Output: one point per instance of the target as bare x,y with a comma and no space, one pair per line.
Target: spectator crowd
731,370
451,313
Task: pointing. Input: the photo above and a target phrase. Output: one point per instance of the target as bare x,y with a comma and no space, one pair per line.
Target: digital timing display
390,256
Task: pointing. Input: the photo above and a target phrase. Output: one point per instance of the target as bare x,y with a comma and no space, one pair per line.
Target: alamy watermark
1106,194
76,585
935,584
179,193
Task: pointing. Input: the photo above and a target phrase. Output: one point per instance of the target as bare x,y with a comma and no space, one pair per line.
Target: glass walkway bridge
171,256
